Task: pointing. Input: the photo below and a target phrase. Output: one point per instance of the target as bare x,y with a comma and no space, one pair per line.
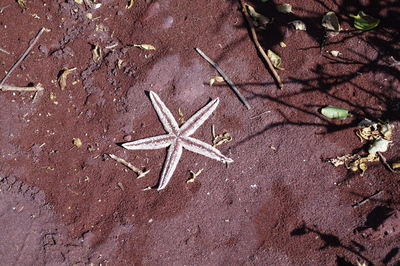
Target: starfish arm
152,143
164,114
198,118
173,156
205,149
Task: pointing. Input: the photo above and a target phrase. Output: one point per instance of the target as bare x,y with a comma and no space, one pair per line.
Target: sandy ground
279,203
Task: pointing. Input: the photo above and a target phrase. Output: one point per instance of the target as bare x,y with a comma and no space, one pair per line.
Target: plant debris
97,53
331,22
62,79
144,46
222,138
298,25
379,136
30,47
364,21
77,142
22,4
130,4
275,59
216,79
259,47
193,176
37,87
228,80
284,8
334,53
139,172
282,44
335,112
259,21
342,160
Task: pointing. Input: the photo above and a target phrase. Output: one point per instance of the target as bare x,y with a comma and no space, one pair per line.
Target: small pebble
127,137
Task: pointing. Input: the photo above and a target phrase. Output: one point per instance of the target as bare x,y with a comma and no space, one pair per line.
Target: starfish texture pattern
177,138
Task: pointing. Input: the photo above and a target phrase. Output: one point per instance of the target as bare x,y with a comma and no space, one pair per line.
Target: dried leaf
335,112
22,4
130,5
284,8
77,142
221,139
364,21
341,160
282,44
334,53
275,60
298,25
97,53
259,20
396,165
216,79
194,176
80,2
145,46
373,131
62,79
379,145
331,22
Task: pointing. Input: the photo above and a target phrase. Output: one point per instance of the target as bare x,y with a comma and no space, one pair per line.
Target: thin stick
253,117
129,165
385,163
4,51
37,87
230,83
259,47
23,55
4,7
365,200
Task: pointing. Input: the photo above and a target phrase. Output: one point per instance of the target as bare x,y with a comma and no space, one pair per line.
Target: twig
4,51
37,87
259,47
385,163
255,116
129,165
230,83
365,200
23,55
4,7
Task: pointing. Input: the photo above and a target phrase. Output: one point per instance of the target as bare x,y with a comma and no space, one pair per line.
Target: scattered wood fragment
37,87
62,79
4,51
221,139
365,200
23,55
97,53
22,4
385,163
194,175
3,8
139,172
130,4
230,83
256,116
258,45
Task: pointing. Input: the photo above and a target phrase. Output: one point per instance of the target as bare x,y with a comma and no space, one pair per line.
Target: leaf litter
378,135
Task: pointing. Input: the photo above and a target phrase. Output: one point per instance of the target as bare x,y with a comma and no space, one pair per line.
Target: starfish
177,138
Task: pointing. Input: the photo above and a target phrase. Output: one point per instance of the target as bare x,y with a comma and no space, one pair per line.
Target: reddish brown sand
277,204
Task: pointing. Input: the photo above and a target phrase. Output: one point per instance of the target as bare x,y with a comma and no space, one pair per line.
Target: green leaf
275,60
335,112
364,22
